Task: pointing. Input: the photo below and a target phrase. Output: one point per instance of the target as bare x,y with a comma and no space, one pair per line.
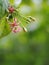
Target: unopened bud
30,19
25,30
7,18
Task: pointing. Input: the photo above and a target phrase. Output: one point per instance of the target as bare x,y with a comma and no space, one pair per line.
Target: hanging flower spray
15,25
13,21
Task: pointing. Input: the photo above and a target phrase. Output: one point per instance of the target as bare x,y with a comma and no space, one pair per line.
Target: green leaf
3,6
4,28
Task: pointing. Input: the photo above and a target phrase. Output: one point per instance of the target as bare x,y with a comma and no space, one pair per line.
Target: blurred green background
31,48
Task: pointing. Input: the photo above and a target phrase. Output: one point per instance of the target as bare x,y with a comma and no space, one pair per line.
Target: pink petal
18,29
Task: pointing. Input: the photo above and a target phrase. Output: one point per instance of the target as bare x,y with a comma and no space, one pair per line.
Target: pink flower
11,9
15,26
14,23
16,29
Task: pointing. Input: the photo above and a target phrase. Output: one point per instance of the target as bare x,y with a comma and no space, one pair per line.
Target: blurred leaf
11,1
4,28
3,7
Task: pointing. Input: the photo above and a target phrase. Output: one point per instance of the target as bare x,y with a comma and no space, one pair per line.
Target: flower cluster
15,24
11,20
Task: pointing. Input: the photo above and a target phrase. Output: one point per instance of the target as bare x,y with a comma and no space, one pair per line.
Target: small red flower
14,23
11,9
15,26
16,29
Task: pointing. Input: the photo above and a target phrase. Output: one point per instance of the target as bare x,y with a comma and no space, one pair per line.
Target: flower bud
11,9
24,29
30,19
7,18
